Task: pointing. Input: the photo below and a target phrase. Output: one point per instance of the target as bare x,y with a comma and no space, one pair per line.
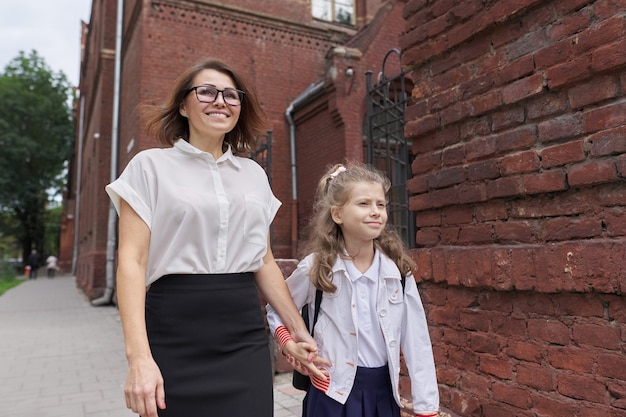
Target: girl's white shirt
205,216
402,320
370,337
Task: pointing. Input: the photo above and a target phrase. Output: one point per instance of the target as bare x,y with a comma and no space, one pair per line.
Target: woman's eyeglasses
209,93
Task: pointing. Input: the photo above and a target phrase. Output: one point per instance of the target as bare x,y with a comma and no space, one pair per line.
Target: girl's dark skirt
371,396
208,336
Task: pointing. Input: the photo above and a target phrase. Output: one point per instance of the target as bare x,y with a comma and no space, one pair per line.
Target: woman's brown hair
165,123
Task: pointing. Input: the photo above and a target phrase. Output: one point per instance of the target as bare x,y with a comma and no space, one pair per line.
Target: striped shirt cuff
320,384
282,335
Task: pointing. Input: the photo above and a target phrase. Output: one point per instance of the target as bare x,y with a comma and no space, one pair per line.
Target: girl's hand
144,390
303,357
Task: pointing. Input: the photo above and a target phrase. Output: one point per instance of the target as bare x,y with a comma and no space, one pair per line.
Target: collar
372,272
187,148
387,268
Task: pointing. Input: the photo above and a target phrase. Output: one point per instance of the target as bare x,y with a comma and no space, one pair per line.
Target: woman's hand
144,390
303,357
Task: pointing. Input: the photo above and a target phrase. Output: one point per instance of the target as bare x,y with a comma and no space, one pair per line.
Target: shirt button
383,313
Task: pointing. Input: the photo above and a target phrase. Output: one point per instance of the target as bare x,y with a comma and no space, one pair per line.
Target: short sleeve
133,187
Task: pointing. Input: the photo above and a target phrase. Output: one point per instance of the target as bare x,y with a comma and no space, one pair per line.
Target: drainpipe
308,95
112,222
79,169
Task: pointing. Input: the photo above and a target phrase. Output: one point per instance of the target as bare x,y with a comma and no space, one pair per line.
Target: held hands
303,357
144,390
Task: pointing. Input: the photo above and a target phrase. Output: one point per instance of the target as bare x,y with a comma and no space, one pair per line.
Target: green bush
8,277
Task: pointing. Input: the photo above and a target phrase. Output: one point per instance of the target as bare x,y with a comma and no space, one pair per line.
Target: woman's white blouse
205,216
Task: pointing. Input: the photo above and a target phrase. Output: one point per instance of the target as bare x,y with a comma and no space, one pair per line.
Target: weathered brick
428,218
480,148
594,91
505,187
417,184
526,351
535,376
513,395
482,170
523,89
571,358
496,367
604,336
612,366
485,103
569,72
546,105
609,57
581,387
569,25
427,236
426,162
514,232
520,162
591,173
507,118
446,177
559,128
544,182
553,54
518,139
608,142
471,193
484,343
606,117
550,406
456,215
562,154
567,229
549,331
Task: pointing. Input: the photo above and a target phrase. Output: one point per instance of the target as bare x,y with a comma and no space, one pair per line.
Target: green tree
36,138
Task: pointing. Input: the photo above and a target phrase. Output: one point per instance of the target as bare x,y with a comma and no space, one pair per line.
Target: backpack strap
316,310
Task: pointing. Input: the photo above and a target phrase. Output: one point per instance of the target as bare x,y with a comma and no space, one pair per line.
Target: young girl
370,310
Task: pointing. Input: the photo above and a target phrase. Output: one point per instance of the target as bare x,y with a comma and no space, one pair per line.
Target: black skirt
207,335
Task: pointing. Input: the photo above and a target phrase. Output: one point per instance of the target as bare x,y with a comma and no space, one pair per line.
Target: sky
51,27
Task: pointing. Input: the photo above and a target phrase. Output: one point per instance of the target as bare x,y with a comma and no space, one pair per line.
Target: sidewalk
62,357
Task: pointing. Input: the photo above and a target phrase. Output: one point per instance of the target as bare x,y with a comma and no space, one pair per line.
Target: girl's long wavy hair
326,240
165,123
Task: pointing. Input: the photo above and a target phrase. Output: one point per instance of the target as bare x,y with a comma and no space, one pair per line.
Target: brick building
517,128
519,137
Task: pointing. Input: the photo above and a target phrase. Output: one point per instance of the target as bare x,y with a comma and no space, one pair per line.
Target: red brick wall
97,70
518,131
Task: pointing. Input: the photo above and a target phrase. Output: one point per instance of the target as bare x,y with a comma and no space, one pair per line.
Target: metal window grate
386,147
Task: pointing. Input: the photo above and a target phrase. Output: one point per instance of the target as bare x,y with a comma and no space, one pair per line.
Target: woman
193,229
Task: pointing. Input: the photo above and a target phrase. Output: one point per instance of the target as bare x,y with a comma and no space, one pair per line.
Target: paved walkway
62,357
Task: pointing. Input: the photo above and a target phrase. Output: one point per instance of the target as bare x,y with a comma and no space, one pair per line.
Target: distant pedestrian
34,261
51,265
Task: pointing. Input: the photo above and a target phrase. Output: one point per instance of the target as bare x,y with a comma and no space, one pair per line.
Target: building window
336,11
